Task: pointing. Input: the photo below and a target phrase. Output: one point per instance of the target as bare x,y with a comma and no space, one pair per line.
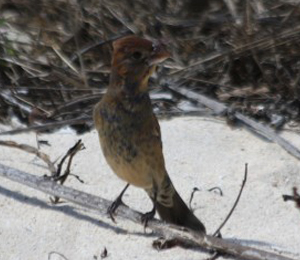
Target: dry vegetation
55,56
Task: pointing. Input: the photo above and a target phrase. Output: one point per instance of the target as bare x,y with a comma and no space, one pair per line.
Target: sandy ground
199,153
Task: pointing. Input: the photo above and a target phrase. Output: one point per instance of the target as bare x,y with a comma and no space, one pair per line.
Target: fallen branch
222,109
100,205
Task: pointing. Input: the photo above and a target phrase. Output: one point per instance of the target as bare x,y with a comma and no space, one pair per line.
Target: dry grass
55,55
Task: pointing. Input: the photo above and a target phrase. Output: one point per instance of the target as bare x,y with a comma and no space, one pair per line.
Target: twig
33,150
258,7
56,253
29,69
84,99
65,59
97,44
89,119
81,61
100,205
284,37
62,178
232,9
192,196
71,152
269,133
259,128
114,11
216,106
49,126
290,14
216,188
196,189
55,172
6,95
7,86
235,203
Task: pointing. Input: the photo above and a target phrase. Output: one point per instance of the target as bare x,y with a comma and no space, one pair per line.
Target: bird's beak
159,53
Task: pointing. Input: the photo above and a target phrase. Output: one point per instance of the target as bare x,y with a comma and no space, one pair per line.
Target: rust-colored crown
157,51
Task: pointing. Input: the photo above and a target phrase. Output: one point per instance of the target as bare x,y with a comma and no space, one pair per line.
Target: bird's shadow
68,210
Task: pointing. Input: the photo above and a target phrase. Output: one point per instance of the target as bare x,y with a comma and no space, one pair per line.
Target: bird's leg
150,215
118,201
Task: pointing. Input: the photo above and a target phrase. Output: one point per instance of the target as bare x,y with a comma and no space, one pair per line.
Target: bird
130,135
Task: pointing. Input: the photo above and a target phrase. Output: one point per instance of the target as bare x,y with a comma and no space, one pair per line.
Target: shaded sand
199,153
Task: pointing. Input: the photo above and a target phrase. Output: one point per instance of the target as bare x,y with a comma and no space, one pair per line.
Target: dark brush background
55,56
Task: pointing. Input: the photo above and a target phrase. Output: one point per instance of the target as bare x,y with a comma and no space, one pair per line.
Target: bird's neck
115,81
127,86
128,95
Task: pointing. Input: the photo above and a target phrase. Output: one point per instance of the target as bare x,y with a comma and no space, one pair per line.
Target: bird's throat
128,86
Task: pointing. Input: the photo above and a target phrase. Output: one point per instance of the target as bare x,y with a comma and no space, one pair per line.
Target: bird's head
134,61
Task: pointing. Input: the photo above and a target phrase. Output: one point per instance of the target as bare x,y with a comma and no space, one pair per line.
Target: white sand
198,152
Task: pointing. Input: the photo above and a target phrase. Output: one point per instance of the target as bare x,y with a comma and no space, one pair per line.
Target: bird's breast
120,138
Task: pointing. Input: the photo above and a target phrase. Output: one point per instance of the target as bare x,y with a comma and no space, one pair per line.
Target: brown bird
129,132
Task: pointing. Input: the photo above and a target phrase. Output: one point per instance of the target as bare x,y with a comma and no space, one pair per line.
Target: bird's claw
113,207
147,216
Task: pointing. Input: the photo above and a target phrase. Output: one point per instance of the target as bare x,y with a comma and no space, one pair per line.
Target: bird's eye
137,55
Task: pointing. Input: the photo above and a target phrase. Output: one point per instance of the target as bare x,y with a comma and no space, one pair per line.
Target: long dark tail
172,209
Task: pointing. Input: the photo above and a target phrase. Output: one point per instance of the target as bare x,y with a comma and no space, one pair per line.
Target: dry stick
55,173
79,146
259,7
30,69
232,9
56,253
290,14
100,205
98,44
69,105
89,119
8,86
33,150
81,61
114,12
65,59
284,37
6,95
196,189
25,106
60,164
48,126
235,203
270,133
62,178
259,128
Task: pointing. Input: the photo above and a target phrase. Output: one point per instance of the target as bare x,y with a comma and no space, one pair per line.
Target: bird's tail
172,209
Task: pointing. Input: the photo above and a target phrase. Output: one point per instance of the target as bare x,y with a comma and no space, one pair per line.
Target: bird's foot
148,216
113,207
